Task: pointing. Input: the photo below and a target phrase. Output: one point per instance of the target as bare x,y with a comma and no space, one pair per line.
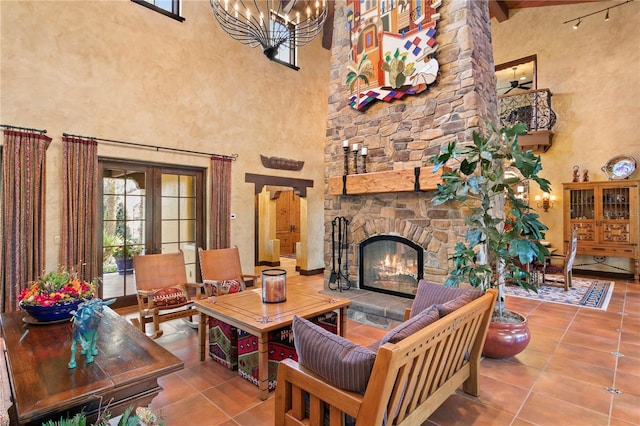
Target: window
287,51
170,8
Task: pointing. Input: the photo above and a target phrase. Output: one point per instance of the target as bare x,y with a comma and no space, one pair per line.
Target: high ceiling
500,8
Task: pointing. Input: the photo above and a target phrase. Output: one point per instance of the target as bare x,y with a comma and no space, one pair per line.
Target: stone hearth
373,308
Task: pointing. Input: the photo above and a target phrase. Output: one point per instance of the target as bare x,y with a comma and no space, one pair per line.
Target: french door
148,209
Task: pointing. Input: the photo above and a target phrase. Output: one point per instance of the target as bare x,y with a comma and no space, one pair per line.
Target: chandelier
271,23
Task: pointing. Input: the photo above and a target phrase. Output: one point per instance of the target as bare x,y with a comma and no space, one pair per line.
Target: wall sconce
546,201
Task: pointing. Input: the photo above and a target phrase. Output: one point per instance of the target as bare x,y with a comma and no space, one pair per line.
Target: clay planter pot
506,339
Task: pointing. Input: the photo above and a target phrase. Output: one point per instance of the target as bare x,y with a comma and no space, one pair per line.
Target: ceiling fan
515,84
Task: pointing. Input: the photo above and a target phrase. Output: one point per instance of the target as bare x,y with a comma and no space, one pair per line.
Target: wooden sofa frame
409,380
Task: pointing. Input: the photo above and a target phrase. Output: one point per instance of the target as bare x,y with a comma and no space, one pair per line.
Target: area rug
584,292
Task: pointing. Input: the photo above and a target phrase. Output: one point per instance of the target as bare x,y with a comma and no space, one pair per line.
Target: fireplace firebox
390,264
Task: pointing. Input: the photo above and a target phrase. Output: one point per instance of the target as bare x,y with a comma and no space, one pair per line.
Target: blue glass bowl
56,312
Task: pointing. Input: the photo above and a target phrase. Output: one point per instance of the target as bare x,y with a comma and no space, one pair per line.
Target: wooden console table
125,371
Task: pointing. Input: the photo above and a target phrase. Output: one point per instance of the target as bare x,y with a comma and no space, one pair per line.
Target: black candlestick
364,163
355,161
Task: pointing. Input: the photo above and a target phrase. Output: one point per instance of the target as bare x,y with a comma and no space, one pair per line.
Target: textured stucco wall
593,73
117,70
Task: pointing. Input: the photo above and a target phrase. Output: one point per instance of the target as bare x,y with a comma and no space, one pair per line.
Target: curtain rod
6,126
232,157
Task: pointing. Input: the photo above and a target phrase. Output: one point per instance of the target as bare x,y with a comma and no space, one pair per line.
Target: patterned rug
584,292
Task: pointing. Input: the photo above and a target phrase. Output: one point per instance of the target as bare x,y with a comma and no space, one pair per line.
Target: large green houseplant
504,235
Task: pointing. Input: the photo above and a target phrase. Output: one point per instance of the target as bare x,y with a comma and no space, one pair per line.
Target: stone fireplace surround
404,134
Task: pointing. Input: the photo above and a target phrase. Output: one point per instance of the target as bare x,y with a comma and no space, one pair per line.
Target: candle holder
355,161
346,159
364,162
274,285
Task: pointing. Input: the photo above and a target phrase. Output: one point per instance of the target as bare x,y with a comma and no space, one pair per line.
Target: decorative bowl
51,313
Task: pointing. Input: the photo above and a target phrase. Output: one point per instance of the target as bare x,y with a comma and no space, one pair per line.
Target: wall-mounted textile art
392,49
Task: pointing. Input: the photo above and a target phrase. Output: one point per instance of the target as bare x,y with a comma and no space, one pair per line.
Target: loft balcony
533,108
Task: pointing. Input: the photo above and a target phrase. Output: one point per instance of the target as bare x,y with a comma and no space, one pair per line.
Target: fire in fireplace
390,264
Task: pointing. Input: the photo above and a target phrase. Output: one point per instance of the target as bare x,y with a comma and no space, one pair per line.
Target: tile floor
562,378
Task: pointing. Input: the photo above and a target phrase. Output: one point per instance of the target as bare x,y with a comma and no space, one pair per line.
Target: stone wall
405,133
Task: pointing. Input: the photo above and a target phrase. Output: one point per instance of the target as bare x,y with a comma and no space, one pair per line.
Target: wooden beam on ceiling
499,10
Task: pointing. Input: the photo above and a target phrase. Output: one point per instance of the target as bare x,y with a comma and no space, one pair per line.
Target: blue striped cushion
430,293
338,360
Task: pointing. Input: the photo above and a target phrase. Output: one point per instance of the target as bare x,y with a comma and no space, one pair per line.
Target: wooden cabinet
606,216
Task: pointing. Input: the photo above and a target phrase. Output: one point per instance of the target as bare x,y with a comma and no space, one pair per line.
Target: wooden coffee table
125,371
246,311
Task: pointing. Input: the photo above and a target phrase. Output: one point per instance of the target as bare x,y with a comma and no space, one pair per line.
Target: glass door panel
178,218
123,226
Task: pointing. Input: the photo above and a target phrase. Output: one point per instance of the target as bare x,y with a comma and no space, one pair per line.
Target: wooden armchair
162,290
223,265
222,274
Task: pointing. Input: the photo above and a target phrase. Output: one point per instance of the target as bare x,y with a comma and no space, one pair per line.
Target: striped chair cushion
450,306
410,326
338,360
430,293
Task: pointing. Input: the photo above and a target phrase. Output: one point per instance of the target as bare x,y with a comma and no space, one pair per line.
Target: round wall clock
620,167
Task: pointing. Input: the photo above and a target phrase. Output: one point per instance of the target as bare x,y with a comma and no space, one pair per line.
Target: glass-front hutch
606,217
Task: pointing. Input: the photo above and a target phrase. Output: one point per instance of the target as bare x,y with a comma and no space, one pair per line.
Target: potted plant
123,254
109,243
55,294
504,235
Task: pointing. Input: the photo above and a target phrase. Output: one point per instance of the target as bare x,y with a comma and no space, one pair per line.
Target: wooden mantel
407,180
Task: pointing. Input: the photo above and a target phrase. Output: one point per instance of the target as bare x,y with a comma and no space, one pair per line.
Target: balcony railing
532,108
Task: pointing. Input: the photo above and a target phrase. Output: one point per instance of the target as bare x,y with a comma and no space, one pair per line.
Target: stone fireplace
390,264
401,136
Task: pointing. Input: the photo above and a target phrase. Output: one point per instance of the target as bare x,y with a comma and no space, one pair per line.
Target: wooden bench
409,380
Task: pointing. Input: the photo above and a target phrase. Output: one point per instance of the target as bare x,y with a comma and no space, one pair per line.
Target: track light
606,18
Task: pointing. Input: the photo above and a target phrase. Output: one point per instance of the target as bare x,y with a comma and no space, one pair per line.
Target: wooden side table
125,371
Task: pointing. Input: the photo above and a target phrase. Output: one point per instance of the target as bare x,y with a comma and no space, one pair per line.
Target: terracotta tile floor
560,379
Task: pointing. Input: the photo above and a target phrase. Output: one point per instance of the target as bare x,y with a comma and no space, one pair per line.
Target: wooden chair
567,264
162,290
220,265
221,270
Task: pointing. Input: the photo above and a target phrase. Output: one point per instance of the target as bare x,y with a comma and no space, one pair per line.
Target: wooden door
288,221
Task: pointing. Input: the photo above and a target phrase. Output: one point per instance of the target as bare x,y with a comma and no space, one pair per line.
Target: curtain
79,214
220,199
22,251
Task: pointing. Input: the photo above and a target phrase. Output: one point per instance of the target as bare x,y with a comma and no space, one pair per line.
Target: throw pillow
410,326
219,288
430,293
450,306
338,360
170,296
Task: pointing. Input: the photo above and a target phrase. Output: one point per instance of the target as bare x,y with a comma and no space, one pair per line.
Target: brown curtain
22,250
220,230
79,216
